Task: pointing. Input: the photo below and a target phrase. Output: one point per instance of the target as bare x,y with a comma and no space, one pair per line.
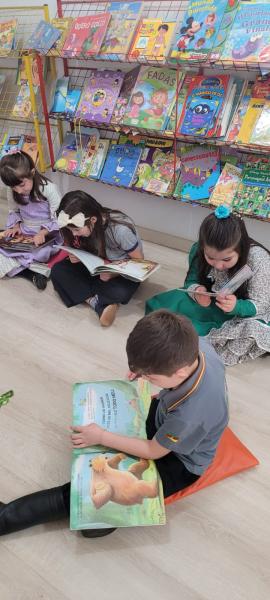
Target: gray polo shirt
120,240
191,418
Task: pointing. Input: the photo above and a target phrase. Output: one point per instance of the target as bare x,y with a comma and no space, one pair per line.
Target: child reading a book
236,324
32,202
184,423
107,233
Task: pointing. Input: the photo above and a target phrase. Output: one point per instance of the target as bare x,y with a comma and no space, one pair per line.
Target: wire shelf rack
27,18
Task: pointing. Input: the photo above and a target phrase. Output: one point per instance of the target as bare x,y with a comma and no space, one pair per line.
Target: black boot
34,509
94,533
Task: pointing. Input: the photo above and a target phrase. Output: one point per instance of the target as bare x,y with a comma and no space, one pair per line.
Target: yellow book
63,25
254,110
152,40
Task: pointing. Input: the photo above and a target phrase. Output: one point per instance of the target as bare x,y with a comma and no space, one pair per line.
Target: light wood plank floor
216,543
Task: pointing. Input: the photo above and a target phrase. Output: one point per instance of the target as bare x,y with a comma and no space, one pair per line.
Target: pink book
86,35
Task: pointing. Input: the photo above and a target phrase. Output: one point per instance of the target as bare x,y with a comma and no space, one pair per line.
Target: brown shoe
108,315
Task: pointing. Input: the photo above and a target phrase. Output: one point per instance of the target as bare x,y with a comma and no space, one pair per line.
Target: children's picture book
175,115
110,488
224,28
137,269
23,243
42,38
151,40
152,98
124,18
165,172
7,36
253,193
60,95
11,144
261,133
22,108
21,72
226,186
124,96
85,164
121,163
70,153
154,152
85,35
249,38
196,33
99,158
72,101
200,170
63,25
30,146
99,96
233,284
240,111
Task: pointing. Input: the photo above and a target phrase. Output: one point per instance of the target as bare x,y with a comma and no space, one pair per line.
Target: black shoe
40,281
95,533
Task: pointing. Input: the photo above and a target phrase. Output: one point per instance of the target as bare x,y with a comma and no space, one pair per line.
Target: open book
136,269
110,488
23,243
230,286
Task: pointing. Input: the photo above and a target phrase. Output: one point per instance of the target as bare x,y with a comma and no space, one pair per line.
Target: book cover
253,192
86,35
260,94
30,146
165,172
239,113
203,105
121,163
181,99
125,93
200,170
11,144
152,40
60,95
109,488
7,36
22,107
261,133
224,28
23,243
152,98
63,25
72,101
84,166
70,153
226,186
249,38
43,37
196,34
99,159
22,75
124,17
154,152
99,97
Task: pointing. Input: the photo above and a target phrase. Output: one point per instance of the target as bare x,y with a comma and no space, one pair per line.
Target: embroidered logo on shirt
172,438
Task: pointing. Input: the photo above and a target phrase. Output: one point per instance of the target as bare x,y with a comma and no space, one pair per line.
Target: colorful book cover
21,72
203,105
154,153
99,159
181,99
249,38
72,101
261,133
86,35
124,17
152,98
200,170
125,93
84,167
109,488
12,144
239,113
165,172
43,37
70,153
60,95
196,34
226,186
99,97
63,25
254,190
30,146
225,26
152,40
121,163
7,36
22,107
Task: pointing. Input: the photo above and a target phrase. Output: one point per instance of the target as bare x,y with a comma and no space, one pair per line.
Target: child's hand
105,276
86,435
40,237
131,376
73,259
226,303
200,298
12,231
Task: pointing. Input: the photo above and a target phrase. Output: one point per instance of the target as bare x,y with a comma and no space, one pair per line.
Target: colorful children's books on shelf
99,158
240,111
121,163
248,40
154,152
152,40
253,193
86,35
165,172
200,170
60,95
175,115
124,96
42,38
152,98
63,25
11,144
224,28
72,101
70,153
99,96
22,74
124,18
226,186
22,107
7,36
30,146
110,488
196,33
84,166
260,94
261,133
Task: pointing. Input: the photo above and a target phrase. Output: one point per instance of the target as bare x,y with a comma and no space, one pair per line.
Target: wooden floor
216,543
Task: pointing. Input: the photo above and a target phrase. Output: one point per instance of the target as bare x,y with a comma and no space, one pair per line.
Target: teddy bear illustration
122,487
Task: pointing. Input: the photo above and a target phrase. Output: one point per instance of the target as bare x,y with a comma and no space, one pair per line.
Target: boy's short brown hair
161,343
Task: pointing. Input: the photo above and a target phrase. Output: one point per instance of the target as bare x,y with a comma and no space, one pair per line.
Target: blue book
204,102
60,95
124,18
121,164
72,101
43,37
12,144
249,38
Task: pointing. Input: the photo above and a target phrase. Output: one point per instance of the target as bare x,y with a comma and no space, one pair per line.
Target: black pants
74,285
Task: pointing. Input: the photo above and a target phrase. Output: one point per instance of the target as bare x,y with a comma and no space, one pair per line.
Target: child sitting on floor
237,324
32,202
184,424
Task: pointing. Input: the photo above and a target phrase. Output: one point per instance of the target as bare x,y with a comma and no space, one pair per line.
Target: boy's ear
183,372
33,172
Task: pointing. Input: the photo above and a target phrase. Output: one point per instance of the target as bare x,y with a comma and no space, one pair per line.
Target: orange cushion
57,258
231,457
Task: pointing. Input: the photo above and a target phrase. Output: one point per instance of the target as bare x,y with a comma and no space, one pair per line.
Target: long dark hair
222,234
75,202
16,167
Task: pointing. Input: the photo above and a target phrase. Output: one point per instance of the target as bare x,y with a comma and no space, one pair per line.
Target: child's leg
111,293
73,282
7,265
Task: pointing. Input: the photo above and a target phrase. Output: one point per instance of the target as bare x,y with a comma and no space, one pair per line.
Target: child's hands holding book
226,303
201,298
40,237
86,435
12,231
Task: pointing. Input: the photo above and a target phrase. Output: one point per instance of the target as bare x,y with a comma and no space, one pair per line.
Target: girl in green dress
236,324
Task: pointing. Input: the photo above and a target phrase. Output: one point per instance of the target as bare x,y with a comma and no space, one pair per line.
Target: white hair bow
64,219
